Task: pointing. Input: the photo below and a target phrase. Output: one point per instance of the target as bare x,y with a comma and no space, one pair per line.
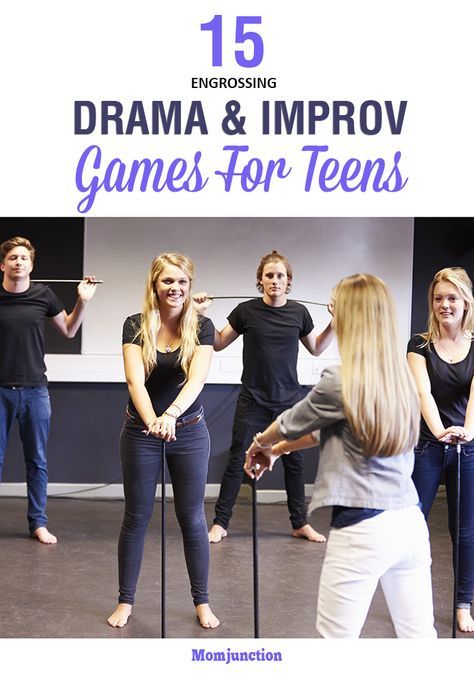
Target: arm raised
317,344
68,324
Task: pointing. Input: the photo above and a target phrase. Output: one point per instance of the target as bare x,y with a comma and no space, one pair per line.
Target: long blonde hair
151,320
459,278
378,392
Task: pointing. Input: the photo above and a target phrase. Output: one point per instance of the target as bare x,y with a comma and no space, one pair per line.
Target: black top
271,341
343,516
167,377
450,385
22,318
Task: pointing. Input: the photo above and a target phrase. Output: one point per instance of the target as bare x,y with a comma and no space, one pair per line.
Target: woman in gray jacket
368,412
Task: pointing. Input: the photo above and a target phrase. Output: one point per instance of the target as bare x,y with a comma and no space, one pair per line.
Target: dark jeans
187,461
250,418
432,461
32,408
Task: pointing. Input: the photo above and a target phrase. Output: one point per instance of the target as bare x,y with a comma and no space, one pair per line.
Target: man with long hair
272,328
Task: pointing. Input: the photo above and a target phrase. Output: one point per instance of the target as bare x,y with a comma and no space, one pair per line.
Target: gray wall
87,417
226,253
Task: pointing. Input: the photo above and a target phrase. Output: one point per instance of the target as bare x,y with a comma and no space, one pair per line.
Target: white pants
393,548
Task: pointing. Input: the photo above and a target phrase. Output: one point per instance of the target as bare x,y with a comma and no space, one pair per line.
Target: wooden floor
68,590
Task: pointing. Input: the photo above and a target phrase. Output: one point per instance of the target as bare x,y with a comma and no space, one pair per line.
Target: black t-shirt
22,318
167,377
450,385
271,340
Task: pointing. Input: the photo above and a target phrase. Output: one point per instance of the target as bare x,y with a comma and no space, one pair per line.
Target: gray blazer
345,477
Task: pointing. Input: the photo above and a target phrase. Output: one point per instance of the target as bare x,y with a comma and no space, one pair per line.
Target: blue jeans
32,408
250,418
433,460
187,460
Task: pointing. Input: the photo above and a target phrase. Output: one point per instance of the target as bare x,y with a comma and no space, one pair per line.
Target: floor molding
115,491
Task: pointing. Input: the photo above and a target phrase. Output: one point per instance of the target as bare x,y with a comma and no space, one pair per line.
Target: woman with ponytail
368,412
167,351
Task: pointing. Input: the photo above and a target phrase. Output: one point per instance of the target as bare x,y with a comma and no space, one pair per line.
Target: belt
186,423
9,386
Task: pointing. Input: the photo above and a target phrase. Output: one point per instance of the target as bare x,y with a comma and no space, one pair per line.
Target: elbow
197,384
133,385
66,333
200,384
218,342
317,350
69,331
424,395
321,345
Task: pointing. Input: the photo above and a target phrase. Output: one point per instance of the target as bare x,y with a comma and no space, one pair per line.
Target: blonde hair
459,278
151,321
378,392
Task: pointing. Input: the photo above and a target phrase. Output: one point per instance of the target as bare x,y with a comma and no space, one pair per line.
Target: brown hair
9,244
274,257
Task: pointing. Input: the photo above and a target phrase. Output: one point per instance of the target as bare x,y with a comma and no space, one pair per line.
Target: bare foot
216,534
43,535
307,532
121,615
465,620
206,617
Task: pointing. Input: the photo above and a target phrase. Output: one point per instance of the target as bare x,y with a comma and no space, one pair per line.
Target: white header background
55,52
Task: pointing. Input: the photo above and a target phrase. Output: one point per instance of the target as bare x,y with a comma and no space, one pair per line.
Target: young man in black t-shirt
272,327
23,385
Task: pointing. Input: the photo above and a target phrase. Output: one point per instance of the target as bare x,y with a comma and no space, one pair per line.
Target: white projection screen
226,252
